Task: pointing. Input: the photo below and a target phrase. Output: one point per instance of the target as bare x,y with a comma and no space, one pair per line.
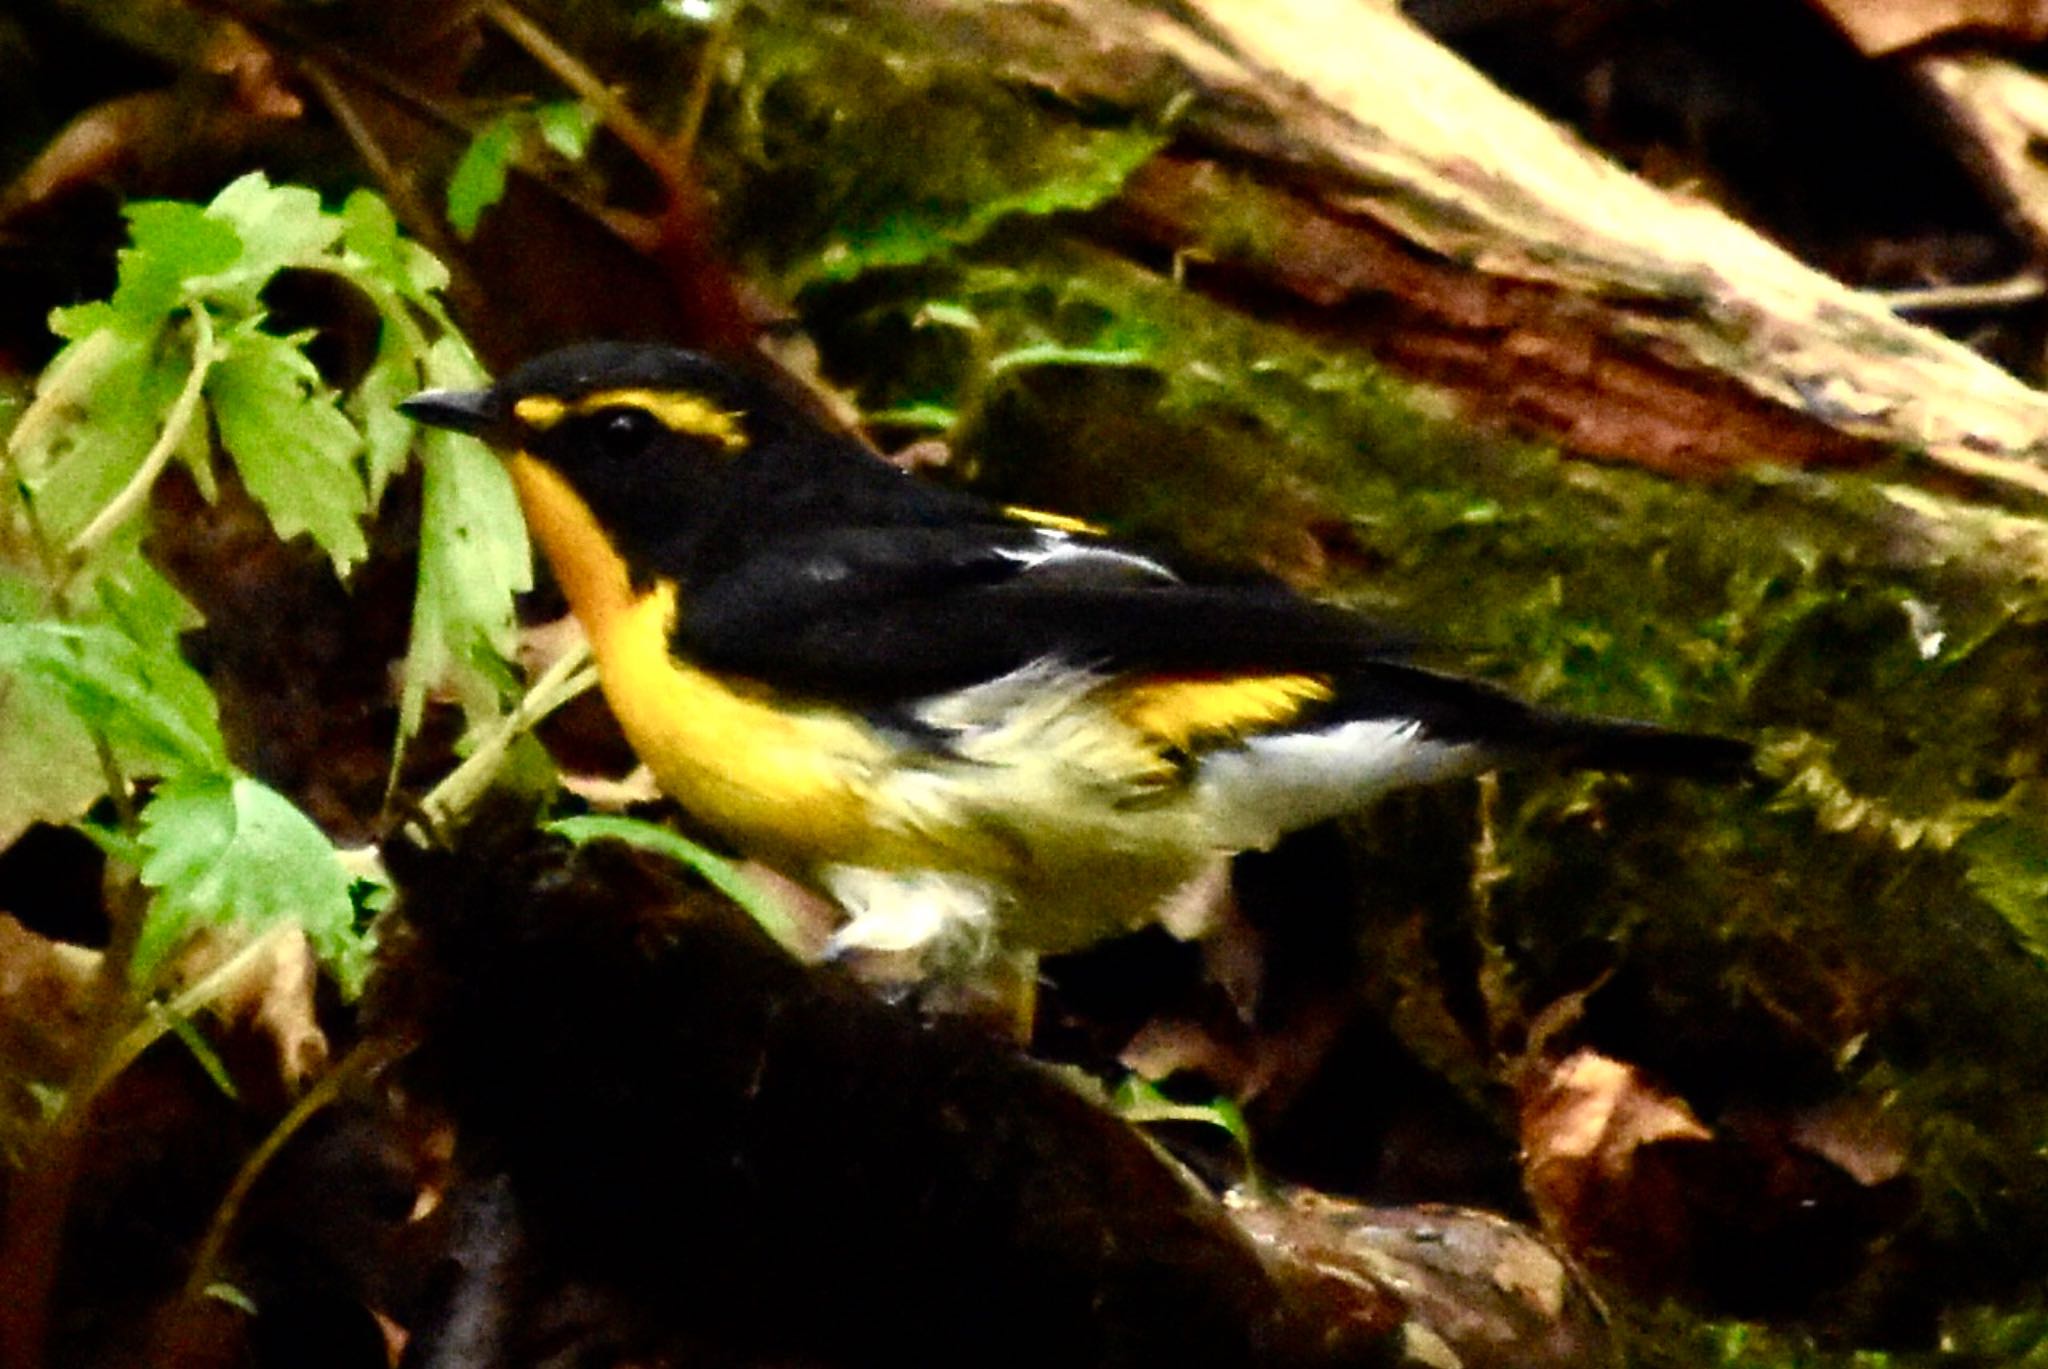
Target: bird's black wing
877,616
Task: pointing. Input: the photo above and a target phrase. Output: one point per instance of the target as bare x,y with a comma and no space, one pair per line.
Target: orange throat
773,778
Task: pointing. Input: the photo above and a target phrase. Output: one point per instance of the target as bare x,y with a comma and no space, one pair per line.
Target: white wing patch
1058,550
1257,792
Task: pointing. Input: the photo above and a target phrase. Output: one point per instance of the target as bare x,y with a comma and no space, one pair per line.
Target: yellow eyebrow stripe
539,412
688,414
1182,713
1057,522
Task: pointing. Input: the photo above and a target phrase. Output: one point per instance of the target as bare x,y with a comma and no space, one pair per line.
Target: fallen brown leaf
1588,1127
1856,1136
46,990
271,993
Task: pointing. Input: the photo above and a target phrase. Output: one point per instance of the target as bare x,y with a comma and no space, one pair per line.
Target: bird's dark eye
624,431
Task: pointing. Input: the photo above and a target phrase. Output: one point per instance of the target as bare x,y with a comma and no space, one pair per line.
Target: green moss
1869,918
838,152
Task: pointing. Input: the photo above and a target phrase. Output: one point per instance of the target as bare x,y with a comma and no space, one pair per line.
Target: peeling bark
1411,205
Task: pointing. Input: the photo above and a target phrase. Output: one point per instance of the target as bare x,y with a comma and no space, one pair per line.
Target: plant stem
365,1058
39,1199
570,675
177,422
684,145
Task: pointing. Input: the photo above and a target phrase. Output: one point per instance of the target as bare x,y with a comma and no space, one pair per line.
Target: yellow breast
794,782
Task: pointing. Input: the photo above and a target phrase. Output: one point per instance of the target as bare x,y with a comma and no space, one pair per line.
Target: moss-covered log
1182,269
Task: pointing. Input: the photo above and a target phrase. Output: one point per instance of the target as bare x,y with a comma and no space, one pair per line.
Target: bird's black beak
465,411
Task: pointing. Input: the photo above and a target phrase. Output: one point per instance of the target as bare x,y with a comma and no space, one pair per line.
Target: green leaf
478,181
387,434
203,1052
45,753
233,852
53,771
566,126
716,871
1140,1101
294,447
370,234
473,559
279,226
109,390
130,594
925,417
170,243
1053,354
147,702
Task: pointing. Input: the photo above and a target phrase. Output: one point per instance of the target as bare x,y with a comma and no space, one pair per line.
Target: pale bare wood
1503,257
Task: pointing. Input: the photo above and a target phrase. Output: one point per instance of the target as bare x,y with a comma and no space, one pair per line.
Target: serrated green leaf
716,870
387,434
170,243
279,226
369,232
2008,868
77,322
53,769
233,852
294,447
149,703
478,181
133,596
370,235
45,753
566,126
474,558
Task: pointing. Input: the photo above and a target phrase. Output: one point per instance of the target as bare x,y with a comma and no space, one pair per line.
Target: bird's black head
646,434
609,398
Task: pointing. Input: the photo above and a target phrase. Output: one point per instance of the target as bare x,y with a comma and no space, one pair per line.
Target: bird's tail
1636,748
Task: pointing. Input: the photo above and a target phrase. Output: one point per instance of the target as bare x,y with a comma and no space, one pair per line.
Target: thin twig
1496,972
264,24
643,142
683,147
366,1058
39,1199
2024,288
422,222
163,1018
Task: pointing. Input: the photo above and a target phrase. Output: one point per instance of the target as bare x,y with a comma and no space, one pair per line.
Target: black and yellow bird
972,725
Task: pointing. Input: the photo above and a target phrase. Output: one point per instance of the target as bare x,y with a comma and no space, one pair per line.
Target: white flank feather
1257,792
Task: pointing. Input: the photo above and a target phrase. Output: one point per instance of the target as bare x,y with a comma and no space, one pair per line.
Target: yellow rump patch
679,412
1057,522
1184,712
